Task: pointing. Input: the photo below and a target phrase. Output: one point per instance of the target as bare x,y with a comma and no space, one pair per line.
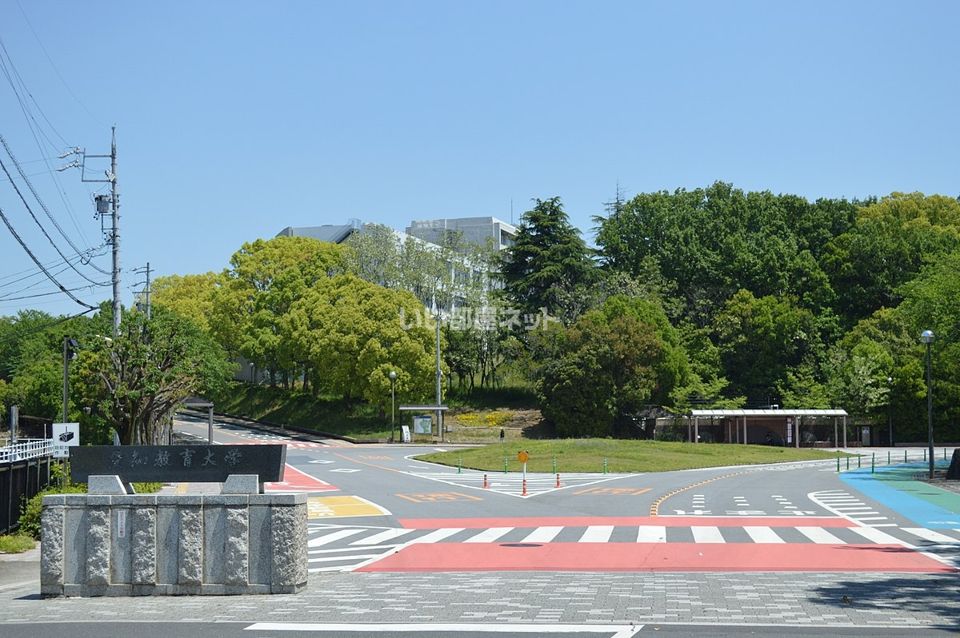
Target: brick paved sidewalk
863,600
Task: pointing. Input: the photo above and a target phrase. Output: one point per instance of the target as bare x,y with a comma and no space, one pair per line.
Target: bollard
944,454
554,463
838,462
904,456
924,455
888,457
459,464
848,462
558,480
858,460
524,487
504,465
872,461
485,483
604,465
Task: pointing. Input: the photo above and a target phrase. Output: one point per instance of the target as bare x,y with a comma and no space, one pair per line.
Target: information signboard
65,436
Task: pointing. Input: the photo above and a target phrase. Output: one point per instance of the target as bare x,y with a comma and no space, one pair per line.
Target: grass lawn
16,544
587,455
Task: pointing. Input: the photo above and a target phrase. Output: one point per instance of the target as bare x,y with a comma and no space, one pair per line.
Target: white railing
26,449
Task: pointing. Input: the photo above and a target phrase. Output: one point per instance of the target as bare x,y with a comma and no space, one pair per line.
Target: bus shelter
767,426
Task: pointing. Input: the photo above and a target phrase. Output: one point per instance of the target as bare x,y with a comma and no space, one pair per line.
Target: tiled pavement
881,600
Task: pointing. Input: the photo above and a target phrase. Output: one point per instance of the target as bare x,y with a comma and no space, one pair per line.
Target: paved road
394,540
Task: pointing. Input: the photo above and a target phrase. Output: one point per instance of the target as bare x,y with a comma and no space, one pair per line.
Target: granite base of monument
117,544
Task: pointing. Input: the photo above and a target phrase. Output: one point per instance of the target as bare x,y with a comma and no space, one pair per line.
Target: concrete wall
133,545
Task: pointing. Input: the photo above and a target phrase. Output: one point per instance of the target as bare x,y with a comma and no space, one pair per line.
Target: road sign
523,456
65,436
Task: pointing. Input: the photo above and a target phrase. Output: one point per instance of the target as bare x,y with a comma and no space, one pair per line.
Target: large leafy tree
886,248
547,261
355,332
710,243
190,296
759,339
136,380
603,370
265,279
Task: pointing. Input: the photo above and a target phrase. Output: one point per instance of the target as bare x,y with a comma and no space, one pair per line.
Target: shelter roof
767,412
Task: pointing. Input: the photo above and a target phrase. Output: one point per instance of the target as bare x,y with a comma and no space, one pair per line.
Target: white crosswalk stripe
876,536
760,534
819,535
489,535
651,534
932,536
542,534
597,534
706,534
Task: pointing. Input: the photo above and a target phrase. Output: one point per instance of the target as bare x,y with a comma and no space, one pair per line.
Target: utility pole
115,231
108,204
146,290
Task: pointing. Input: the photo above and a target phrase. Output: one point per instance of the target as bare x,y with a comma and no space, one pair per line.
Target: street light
889,412
927,337
393,403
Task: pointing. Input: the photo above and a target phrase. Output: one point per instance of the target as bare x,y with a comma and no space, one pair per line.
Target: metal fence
24,471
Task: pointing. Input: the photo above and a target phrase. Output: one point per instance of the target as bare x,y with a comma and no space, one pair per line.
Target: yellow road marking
342,507
655,507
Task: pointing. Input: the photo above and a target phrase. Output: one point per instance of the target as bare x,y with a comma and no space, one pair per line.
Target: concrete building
475,230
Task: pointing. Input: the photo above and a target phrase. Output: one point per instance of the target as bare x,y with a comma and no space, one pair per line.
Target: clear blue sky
236,119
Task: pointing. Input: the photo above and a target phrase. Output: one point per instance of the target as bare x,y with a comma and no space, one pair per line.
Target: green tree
547,262
137,379
354,334
190,296
599,373
759,339
886,248
265,279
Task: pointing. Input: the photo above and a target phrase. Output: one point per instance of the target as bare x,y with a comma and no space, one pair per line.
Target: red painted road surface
626,521
296,481
655,557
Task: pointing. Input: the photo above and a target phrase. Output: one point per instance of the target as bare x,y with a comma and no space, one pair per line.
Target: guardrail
890,457
28,449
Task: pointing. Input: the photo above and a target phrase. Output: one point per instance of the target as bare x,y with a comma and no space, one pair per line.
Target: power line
34,126
46,210
37,262
33,216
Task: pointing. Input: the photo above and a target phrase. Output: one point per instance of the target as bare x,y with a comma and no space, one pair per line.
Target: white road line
341,550
820,536
652,534
376,539
930,535
597,534
543,534
335,536
488,535
876,536
437,535
762,534
706,534
330,559
614,631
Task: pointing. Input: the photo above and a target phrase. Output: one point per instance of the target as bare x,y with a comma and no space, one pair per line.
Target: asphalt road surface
402,547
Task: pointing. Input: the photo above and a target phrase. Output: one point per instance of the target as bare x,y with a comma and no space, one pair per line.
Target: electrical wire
43,206
5,62
23,245
32,215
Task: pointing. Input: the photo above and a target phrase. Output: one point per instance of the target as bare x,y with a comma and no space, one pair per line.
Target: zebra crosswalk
850,507
346,548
